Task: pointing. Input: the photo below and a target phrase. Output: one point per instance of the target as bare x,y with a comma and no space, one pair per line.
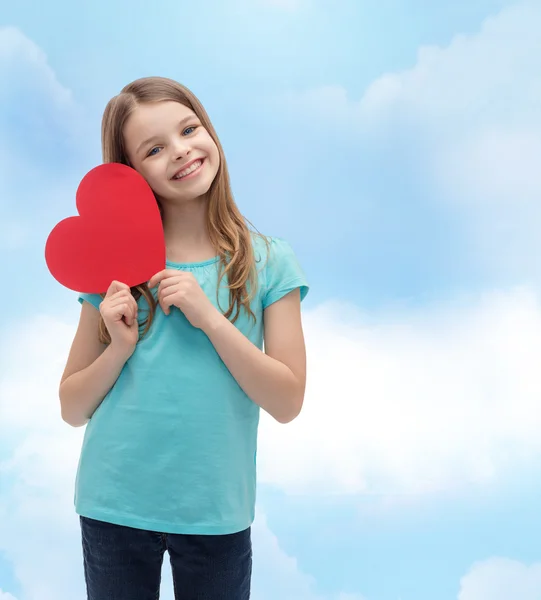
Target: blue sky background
396,146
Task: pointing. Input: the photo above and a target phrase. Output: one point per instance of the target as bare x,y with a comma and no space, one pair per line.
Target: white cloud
32,100
411,402
501,579
6,596
470,113
477,79
490,77
38,118
37,506
19,52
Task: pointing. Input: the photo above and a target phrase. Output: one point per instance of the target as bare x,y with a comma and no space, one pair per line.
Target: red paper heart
118,235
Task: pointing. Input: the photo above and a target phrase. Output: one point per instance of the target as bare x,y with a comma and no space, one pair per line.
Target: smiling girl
170,377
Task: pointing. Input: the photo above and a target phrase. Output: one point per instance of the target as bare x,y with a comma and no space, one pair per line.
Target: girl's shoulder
270,248
278,268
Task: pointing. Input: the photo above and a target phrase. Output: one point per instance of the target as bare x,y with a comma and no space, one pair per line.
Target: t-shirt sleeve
94,299
283,273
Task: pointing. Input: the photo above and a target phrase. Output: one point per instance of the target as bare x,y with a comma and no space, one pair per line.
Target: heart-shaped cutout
117,235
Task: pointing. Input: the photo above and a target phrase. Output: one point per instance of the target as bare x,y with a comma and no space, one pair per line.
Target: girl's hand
181,289
119,312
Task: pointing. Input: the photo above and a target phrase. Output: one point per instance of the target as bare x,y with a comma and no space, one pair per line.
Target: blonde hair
227,228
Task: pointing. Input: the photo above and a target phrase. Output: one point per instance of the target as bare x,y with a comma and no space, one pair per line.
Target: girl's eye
187,131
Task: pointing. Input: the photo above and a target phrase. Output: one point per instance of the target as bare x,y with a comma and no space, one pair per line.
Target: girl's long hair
227,228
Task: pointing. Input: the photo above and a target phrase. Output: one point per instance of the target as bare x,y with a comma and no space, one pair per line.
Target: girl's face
167,144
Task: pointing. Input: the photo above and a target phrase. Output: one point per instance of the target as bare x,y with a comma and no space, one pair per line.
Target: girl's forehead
161,111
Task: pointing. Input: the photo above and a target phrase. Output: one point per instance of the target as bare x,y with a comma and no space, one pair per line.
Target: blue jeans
122,563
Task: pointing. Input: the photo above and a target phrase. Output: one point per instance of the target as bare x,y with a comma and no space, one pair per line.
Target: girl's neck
186,232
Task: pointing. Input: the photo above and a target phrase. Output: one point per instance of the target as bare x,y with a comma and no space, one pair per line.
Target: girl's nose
180,149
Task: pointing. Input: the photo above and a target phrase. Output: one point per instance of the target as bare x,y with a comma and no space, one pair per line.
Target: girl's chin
172,200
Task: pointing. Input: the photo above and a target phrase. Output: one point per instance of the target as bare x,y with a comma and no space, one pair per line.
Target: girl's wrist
120,353
213,321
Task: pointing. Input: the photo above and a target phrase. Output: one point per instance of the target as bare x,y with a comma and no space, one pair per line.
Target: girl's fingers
131,313
168,292
135,309
120,294
119,301
120,311
115,287
124,308
114,301
164,304
165,283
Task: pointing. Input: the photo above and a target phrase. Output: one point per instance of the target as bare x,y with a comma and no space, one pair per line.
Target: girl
170,376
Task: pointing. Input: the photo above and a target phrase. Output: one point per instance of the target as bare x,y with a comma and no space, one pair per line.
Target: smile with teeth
193,167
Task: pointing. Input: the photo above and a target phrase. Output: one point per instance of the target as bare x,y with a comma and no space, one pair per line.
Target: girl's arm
91,370
274,379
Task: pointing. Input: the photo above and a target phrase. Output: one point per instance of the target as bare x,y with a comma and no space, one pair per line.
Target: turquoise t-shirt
172,447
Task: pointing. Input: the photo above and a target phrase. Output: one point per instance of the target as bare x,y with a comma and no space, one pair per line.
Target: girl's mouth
190,171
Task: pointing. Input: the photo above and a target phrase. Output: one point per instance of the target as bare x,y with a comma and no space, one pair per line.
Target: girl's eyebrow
155,137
